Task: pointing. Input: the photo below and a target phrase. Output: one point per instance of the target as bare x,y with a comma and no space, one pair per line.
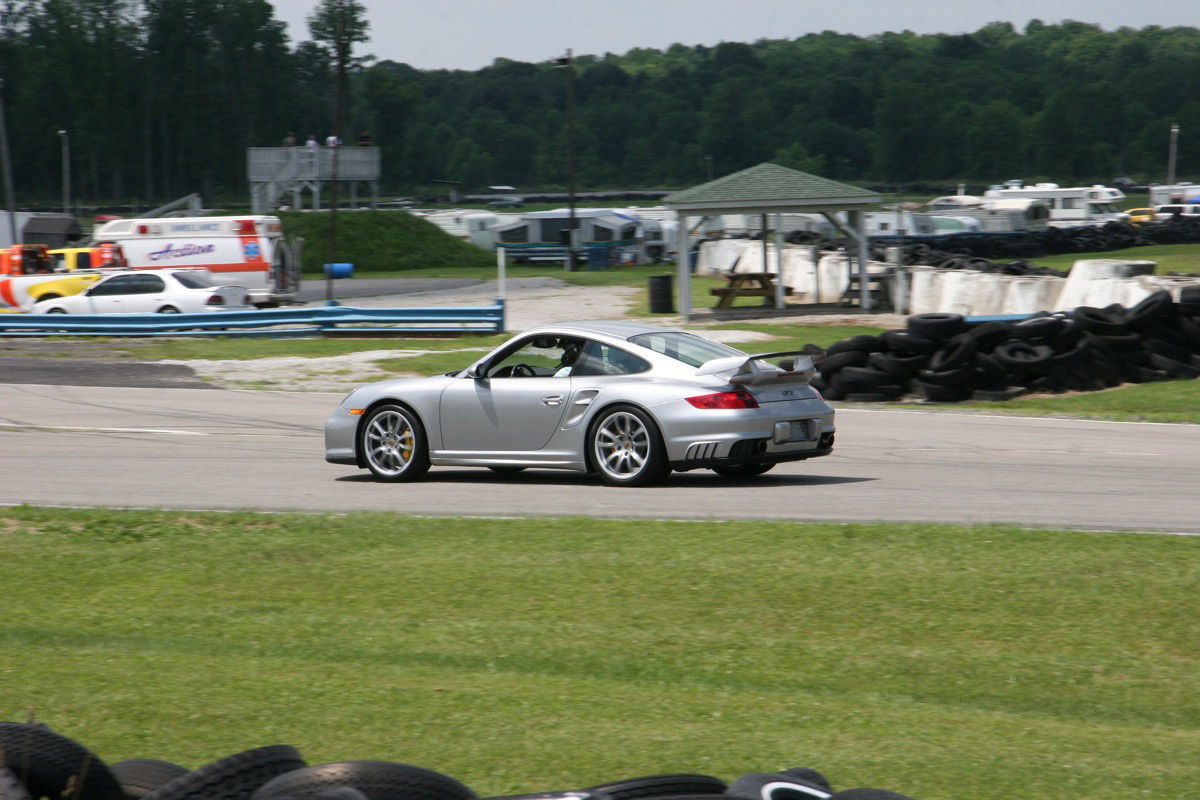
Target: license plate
797,430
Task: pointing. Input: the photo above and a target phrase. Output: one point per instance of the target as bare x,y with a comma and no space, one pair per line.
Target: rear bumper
757,452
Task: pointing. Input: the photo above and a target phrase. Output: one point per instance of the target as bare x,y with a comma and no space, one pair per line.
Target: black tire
958,376
809,774
235,776
864,378
56,310
47,764
1176,369
937,326
378,780
1022,357
1152,309
940,394
1103,321
660,786
957,352
752,470
905,343
1172,351
865,343
625,447
507,470
987,335
168,310
11,788
1043,327
868,794
997,395
776,786
392,442
141,776
848,358
888,363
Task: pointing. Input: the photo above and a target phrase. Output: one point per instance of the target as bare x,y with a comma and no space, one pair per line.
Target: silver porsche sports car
627,401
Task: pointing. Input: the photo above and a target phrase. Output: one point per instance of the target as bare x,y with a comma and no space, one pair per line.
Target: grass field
534,654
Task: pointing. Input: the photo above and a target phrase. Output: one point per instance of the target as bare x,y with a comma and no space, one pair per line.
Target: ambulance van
242,250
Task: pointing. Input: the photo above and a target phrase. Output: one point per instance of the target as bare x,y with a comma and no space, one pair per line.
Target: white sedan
162,291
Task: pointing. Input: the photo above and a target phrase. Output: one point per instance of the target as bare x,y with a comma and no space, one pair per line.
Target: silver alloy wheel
389,442
621,446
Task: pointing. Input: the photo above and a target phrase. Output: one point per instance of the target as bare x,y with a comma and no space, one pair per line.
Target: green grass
533,654
1168,401
1183,258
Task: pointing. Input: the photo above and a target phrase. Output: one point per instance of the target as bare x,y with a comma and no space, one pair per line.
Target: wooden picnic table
746,284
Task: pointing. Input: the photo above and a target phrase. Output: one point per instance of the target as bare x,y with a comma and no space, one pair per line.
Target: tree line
162,97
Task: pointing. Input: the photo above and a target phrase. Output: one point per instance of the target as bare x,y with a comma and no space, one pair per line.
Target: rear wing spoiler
754,370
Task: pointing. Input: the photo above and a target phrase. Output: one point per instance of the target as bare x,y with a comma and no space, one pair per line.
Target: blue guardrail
314,321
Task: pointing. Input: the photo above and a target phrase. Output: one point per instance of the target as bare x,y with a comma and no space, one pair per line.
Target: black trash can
661,290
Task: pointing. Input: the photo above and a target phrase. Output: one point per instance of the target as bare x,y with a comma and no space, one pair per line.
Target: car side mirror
477,372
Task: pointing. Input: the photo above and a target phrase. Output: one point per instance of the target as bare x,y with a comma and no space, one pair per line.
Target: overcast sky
470,34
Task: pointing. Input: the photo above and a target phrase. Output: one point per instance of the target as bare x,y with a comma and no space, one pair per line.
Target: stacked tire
37,763
944,358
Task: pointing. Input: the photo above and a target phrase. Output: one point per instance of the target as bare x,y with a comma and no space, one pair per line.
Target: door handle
552,400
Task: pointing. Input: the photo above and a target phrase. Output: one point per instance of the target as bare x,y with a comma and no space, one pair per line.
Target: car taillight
724,400
216,300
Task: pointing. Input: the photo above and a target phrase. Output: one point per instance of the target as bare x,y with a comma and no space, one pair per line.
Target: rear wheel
392,441
744,470
56,311
168,310
626,447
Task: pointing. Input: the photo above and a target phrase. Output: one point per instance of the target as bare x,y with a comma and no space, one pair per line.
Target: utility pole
566,63
66,170
6,164
337,127
1171,157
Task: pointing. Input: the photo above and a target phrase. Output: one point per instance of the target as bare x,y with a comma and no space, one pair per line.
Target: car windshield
686,347
193,280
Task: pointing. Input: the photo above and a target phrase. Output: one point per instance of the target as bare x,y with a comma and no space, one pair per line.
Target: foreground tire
378,780
48,764
626,448
392,442
168,310
808,774
235,776
744,470
776,786
661,786
141,776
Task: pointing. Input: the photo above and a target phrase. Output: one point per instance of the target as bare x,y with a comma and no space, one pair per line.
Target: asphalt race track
204,449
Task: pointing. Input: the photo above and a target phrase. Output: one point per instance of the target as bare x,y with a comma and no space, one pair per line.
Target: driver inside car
570,354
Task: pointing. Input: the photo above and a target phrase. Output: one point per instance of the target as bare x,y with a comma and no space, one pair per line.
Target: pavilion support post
779,304
855,220
683,268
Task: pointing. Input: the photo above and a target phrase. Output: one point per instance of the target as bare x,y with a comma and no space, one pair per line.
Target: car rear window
192,280
686,347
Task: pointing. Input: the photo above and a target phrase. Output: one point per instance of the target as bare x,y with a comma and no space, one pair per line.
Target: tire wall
944,357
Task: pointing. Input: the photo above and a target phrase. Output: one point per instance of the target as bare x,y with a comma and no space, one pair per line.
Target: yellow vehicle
69,259
1139,215
31,272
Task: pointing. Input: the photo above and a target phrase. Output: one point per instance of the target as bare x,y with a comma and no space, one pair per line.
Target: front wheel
626,448
56,311
744,470
392,441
